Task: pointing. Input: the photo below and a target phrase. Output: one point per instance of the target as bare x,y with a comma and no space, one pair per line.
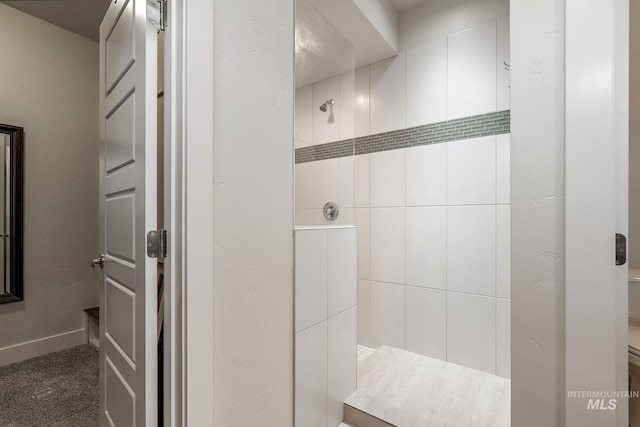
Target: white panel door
128,210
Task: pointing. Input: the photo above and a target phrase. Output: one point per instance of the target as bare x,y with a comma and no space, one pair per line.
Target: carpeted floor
56,390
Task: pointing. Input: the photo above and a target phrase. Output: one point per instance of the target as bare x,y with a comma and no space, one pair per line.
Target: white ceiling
401,5
336,36
78,16
321,51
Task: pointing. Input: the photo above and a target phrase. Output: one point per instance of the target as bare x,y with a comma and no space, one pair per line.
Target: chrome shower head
329,102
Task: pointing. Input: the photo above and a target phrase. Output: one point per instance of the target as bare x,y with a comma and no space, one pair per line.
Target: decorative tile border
436,133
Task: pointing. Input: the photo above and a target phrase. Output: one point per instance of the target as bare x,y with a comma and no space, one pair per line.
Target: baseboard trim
42,346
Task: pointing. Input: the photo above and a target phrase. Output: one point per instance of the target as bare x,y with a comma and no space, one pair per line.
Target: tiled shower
416,155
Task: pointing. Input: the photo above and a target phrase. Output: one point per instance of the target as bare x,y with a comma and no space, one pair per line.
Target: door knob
98,262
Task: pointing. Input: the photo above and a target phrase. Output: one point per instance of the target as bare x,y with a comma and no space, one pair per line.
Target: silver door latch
157,243
98,262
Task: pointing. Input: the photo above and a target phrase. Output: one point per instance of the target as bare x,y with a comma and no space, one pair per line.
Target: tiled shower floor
400,388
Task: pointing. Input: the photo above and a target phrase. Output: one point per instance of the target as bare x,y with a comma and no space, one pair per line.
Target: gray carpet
58,390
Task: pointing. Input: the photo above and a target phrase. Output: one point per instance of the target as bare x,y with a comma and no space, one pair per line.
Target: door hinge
621,249
157,243
157,14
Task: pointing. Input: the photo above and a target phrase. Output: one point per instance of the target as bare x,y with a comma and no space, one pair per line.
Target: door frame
597,179
596,119
547,149
186,105
189,188
173,221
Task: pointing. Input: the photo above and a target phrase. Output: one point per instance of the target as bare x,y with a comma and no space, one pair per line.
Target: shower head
329,102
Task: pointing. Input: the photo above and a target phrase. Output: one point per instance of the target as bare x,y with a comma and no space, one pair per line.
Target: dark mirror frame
16,262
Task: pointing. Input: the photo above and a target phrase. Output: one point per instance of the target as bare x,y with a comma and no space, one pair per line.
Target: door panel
120,45
120,218
120,135
128,210
120,317
120,398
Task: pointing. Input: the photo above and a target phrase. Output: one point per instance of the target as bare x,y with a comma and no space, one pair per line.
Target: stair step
93,312
358,418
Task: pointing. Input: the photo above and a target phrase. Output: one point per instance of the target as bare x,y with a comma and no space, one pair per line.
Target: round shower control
331,211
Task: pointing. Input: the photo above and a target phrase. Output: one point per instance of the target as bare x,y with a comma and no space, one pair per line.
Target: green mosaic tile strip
436,133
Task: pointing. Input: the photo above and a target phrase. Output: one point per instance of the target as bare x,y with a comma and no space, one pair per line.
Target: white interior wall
537,213
49,83
433,221
252,212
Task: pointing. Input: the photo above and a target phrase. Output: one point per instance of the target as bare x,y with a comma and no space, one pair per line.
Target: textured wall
537,213
253,213
49,82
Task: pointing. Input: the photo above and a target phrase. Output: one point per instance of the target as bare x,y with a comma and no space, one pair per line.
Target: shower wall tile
346,194
471,249
503,65
427,322
503,169
427,83
503,251
304,216
332,181
387,98
304,185
387,176
361,110
361,181
471,172
426,245
347,105
363,313
304,118
426,175
362,222
325,347
301,144
503,338
326,125
466,128
311,386
471,331
428,189
342,269
387,253
472,71
387,314
342,363
310,278
326,182
345,217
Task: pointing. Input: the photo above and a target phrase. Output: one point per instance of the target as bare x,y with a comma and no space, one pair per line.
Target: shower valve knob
331,211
